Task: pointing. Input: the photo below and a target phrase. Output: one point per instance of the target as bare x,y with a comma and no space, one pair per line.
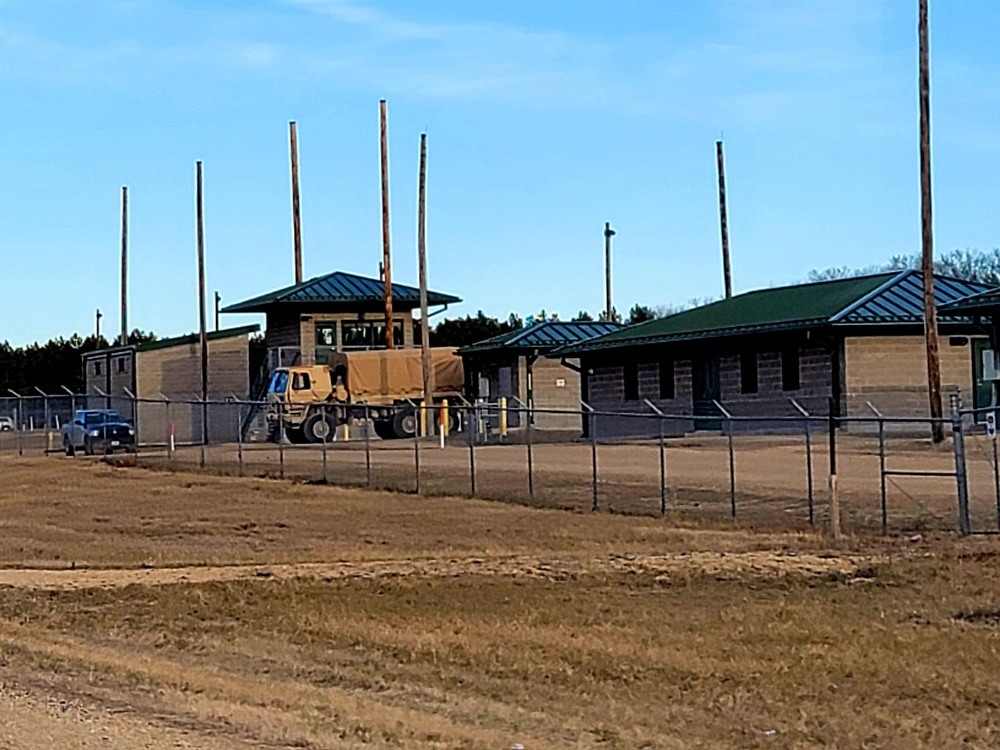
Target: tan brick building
170,370
858,341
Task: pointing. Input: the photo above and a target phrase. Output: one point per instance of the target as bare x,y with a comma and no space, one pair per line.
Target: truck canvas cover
396,374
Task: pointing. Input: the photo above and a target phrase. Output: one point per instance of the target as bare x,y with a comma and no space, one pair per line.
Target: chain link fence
768,472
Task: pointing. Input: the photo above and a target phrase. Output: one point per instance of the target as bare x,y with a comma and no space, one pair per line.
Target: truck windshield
279,382
101,417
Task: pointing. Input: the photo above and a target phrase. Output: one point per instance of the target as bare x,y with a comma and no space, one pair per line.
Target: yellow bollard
347,430
503,417
444,417
423,419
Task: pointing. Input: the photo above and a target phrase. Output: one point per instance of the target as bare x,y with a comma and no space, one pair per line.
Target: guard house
513,366
333,313
858,341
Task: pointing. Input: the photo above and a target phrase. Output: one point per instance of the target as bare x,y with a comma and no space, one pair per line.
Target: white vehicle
6,424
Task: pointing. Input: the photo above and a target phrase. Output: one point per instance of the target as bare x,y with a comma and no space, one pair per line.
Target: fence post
809,462
473,416
996,475
204,434
171,435
958,442
834,496
326,437
732,458
368,450
593,453
281,439
881,466
416,455
663,460
239,435
531,470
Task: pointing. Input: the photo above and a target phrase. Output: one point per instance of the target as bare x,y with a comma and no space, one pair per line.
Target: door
706,390
982,390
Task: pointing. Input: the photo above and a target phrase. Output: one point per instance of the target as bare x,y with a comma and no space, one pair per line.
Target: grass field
154,609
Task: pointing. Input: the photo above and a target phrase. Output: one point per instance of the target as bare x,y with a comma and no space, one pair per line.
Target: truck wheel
383,428
294,436
404,424
68,447
319,428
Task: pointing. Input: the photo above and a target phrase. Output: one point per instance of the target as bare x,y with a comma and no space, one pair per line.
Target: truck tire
319,427
294,436
68,447
404,423
383,428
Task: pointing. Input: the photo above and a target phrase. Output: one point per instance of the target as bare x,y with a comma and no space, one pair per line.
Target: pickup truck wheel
319,428
404,424
68,447
88,449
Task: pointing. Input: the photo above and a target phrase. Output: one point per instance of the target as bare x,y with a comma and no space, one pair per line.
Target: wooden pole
296,216
386,255
609,311
927,226
201,299
97,324
218,301
124,321
723,220
425,333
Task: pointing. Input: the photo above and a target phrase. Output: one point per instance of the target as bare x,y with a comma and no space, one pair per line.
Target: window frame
750,376
667,374
791,356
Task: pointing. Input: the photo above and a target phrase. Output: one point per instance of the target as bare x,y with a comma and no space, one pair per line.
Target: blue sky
544,120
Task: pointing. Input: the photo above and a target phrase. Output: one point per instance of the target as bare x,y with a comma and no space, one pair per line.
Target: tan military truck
379,385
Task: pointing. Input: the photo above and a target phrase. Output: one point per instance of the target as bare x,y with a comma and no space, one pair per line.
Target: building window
368,334
97,367
748,372
122,364
666,378
790,370
631,373
326,335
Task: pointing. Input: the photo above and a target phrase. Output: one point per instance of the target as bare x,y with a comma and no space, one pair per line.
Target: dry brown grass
441,623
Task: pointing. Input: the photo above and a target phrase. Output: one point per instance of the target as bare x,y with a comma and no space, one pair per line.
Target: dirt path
742,565
44,719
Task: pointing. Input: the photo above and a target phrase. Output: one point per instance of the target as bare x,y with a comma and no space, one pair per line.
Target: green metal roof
337,288
194,338
543,336
984,302
888,298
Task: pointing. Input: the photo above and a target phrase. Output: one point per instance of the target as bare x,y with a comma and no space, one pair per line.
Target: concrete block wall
891,373
607,393
546,376
771,399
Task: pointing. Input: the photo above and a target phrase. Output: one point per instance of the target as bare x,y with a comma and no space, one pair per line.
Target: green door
982,390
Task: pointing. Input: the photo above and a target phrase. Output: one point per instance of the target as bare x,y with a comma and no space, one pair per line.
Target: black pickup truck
98,431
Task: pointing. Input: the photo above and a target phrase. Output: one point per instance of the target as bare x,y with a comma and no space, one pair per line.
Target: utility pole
608,309
97,325
124,320
386,264
927,226
218,301
296,216
201,302
723,220
425,334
